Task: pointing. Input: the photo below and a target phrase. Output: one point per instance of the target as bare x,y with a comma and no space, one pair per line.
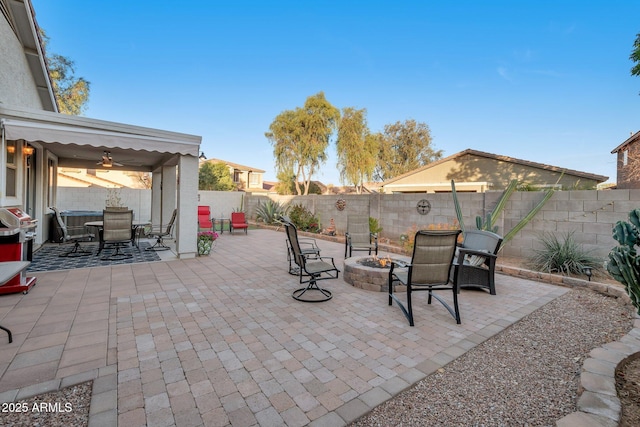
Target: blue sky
545,81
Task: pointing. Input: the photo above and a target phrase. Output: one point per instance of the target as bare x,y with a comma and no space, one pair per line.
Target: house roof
469,151
635,137
235,165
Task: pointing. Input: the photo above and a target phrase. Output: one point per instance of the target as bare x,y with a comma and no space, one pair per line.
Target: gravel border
528,375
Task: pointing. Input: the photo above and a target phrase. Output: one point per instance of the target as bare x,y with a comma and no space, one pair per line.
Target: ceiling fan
107,161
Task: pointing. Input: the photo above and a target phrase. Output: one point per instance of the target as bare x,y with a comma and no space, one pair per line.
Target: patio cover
49,133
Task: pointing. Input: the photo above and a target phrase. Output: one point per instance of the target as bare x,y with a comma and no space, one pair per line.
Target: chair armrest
464,251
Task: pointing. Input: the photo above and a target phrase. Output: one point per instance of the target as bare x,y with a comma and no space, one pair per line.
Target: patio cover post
187,221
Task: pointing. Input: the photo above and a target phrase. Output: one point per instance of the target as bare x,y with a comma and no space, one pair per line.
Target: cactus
456,203
624,262
488,223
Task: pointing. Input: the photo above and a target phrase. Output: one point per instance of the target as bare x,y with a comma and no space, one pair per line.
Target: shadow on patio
218,340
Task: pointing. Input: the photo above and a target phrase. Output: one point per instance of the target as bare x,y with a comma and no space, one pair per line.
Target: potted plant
205,241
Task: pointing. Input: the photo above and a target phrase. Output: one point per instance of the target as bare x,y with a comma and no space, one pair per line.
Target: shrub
303,219
374,225
408,239
562,255
270,211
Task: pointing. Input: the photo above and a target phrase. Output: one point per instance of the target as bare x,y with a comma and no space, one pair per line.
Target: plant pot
204,247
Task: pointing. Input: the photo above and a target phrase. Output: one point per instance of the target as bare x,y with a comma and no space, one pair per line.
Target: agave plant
269,211
488,223
562,254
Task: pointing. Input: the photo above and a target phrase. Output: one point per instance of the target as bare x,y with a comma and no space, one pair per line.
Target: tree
635,56
215,176
404,147
71,92
300,138
357,149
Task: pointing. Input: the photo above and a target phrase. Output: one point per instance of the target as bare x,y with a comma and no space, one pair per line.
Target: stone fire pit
358,274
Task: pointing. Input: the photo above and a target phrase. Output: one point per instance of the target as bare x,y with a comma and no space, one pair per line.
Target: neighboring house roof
235,165
586,175
635,137
269,185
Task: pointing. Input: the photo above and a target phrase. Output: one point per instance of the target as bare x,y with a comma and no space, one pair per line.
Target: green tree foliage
215,176
300,139
357,149
405,146
635,56
71,92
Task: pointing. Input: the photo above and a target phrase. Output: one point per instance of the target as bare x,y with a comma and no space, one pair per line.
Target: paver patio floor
219,340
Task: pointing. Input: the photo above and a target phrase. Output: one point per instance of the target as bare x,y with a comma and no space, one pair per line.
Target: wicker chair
310,271
475,261
431,262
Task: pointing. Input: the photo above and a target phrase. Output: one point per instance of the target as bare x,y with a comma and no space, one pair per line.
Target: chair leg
8,332
409,306
455,306
312,285
76,251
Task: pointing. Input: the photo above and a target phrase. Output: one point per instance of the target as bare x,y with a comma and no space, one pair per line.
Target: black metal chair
159,233
429,269
475,262
79,234
310,271
358,237
308,247
116,230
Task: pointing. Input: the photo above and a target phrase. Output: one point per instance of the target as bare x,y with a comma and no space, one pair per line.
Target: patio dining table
135,225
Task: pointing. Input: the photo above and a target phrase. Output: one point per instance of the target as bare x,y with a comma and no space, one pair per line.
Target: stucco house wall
17,86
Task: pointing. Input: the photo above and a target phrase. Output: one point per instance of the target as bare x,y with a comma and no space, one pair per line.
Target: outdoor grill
17,231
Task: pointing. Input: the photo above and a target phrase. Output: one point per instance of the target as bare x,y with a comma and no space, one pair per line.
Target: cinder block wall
590,214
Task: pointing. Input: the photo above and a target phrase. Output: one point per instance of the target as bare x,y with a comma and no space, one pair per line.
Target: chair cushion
314,267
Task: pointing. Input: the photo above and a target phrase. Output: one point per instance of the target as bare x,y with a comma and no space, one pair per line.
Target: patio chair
238,221
475,261
116,230
308,247
358,237
160,232
429,269
79,234
204,218
310,271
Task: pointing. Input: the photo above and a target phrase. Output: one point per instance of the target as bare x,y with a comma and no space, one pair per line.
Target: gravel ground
65,408
526,376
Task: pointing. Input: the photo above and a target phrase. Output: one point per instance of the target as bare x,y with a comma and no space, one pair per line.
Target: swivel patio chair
308,247
358,237
429,269
116,231
160,232
76,236
475,261
310,271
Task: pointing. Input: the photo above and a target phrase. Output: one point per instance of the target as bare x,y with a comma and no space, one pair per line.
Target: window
51,182
12,170
625,157
254,179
